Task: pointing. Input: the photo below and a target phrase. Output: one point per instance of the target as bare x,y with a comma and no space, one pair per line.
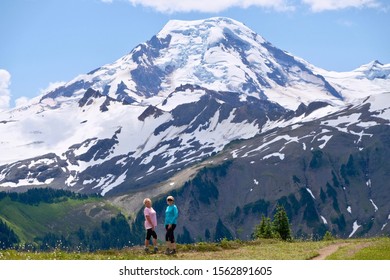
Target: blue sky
43,42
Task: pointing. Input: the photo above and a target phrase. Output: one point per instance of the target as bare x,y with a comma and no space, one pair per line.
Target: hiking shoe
146,249
170,252
155,250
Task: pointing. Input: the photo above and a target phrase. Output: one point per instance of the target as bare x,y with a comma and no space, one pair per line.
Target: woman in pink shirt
150,224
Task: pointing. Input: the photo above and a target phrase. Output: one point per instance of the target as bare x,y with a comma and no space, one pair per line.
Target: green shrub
328,236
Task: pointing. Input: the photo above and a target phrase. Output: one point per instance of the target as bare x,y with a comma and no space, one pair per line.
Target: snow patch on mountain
355,227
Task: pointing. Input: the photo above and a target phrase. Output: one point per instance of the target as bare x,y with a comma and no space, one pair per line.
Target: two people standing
171,215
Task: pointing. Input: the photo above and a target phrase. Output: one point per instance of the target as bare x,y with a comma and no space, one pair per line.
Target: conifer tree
278,228
281,223
264,229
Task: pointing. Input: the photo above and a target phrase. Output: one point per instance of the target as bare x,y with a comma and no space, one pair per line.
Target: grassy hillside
352,249
67,215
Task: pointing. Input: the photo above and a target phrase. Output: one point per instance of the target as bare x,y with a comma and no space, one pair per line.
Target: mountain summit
219,54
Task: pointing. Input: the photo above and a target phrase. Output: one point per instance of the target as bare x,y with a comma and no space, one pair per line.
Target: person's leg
170,240
173,242
168,237
147,238
154,235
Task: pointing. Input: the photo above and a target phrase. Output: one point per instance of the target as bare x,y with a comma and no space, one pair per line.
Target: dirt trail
327,251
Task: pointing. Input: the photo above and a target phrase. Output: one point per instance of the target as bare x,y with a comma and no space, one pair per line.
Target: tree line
44,195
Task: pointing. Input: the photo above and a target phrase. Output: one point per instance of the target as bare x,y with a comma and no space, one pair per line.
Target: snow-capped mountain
173,101
367,80
219,54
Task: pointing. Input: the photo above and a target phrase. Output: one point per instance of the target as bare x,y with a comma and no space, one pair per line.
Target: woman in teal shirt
171,214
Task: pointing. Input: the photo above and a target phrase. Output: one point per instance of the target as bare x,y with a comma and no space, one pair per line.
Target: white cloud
22,101
215,6
210,6
328,5
52,86
25,101
5,93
